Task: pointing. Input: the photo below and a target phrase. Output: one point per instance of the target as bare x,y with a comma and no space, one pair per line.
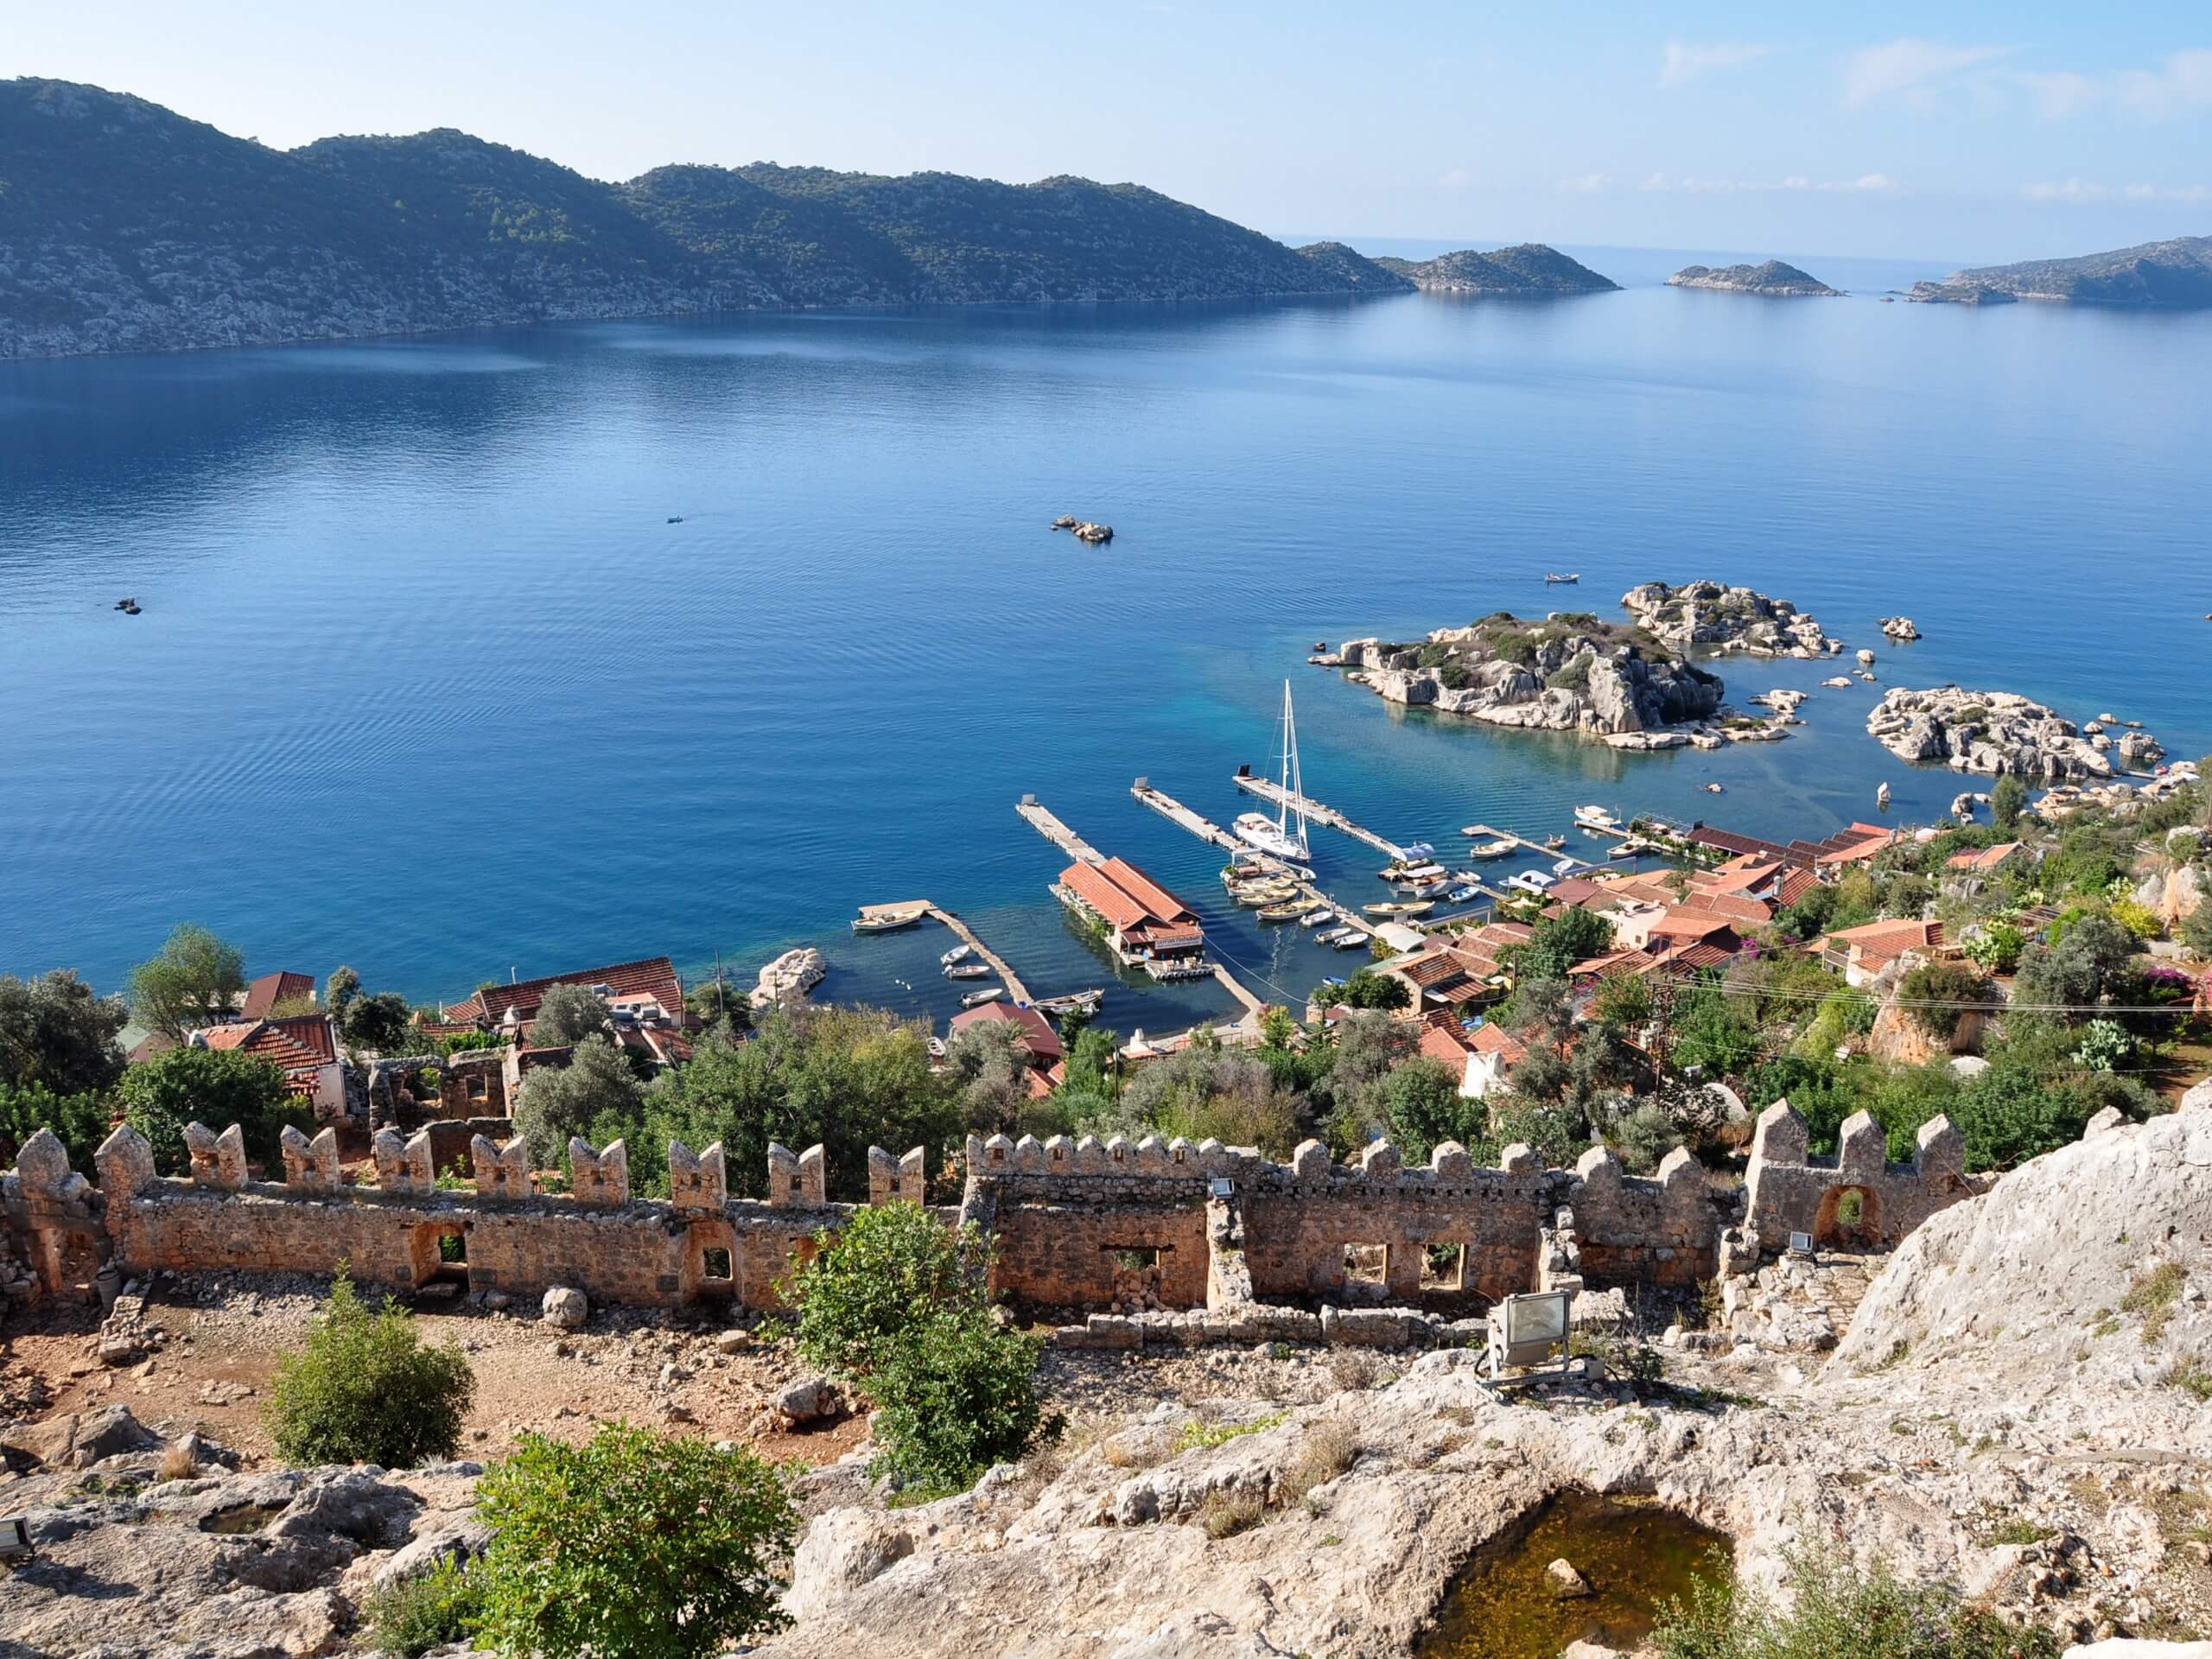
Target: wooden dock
1319,811
967,935
1046,824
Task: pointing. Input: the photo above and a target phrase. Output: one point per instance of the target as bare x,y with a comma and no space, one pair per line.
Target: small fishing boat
1554,842
676,519
1567,867
1260,895
1534,881
1351,939
1321,645
976,999
1401,907
886,921
968,970
958,953
1429,889
1274,914
1570,578
1073,1002
936,1046
1314,918
1463,895
1423,872
1497,847
1596,817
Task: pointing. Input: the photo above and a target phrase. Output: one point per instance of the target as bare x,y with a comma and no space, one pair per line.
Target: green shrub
78,1121
635,1545
954,1394
409,1617
1367,989
366,1389
867,1285
1839,1613
1927,990
1997,947
215,1087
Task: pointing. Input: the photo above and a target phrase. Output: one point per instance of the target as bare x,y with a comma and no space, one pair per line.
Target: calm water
426,683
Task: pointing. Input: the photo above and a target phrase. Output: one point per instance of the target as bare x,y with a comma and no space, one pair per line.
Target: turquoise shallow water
426,683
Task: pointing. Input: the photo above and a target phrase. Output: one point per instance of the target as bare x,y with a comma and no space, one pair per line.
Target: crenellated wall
1787,1190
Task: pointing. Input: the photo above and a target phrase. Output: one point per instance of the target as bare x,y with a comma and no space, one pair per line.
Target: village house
303,1047
273,991
1981,860
647,991
1484,1054
1146,926
1456,971
1866,953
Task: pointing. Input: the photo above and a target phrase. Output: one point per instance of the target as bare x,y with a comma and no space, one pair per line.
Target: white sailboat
1273,835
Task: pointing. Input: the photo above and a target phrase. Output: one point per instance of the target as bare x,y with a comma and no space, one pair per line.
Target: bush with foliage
1422,1107
410,1616
2106,1046
194,981
566,1016
56,1034
862,1290
1561,939
1712,1032
1932,992
1838,1611
365,1388
80,1122
382,1023
1997,947
1367,989
2007,801
215,1087
636,1544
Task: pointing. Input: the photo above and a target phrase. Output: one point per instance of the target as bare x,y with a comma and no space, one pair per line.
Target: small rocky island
1705,615
1531,269
1568,673
1773,279
2001,732
2174,275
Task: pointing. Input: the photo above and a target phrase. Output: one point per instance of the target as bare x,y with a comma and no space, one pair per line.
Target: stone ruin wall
1284,1250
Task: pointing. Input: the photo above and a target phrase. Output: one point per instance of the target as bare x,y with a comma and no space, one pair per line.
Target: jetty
1318,811
1047,824
967,935
1206,829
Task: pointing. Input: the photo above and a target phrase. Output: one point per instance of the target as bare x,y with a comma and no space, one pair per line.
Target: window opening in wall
1131,1257
714,1263
1443,1267
1367,1264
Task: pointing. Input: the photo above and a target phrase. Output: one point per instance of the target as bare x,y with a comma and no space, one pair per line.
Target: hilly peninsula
1773,279
2175,275
125,226
1531,269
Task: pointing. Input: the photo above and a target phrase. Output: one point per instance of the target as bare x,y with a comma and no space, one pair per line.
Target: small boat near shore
886,921
1274,914
1073,1002
958,953
1463,895
1496,847
976,999
1555,579
1596,817
1314,918
1401,907
1260,895
968,970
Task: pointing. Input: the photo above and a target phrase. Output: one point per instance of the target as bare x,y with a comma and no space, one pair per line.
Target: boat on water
976,999
1496,847
1259,896
1569,578
1427,871
1554,842
1073,1002
1567,867
1401,907
1276,836
968,970
1427,889
1279,912
958,953
1596,817
1351,939
1463,895
1315,917
886,921
1534,881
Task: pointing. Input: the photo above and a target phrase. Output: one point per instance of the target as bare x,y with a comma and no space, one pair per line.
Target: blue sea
426,682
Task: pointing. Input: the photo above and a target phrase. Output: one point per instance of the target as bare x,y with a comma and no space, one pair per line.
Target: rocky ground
2016,1407
2000,732
1705,615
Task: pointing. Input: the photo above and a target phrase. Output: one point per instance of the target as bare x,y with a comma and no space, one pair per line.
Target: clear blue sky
1982,132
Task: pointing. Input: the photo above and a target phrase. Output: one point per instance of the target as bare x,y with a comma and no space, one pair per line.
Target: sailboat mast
1293,782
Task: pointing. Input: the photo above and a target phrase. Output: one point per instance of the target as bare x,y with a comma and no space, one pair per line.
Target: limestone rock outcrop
1706,615
2000,732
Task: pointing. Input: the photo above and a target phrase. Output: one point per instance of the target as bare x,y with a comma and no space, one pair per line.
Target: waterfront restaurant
1147,926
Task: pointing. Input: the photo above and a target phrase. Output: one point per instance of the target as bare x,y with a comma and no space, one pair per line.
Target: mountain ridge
2174,273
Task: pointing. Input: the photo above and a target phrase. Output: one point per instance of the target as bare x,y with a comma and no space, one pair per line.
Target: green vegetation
895,1305
1932,992
194,980
1838,1612
80,1122
1197,1434
1366,988
596,1087
56,1035
634,1544
365,1388
408,1616
566,1016
214,1087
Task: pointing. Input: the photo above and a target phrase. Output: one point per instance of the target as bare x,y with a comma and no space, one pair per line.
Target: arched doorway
1850,1218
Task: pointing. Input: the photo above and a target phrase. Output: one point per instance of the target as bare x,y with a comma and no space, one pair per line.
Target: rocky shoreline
1772,279
1705,616
1999,733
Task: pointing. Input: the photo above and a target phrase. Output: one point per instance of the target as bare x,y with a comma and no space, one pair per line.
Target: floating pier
1046,824
967,935
1318,811
1206,829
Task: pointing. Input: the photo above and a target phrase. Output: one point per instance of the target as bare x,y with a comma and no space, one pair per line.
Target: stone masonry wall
1789,1191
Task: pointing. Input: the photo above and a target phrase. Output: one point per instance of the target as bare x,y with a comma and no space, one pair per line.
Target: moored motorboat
1498,846
958,953
1279,912
886,921
1401,907
1463,895
1569,577
976,999
968,970
1260,895
1314,918
1073,1002
1596,817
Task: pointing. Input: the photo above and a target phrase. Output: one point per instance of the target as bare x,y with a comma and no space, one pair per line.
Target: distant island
125,226
1773,278
2176,275
1531,269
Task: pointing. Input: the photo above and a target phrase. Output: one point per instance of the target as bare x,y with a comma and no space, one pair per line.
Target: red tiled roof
1695,958
1734,906
653,975
301,1043
1885,941
1161,905
1688,923
1795,884
1445,1043
1613,965
1037,1033
1431,967
1574,890
1091,885
271,989
1984,858
1496,1039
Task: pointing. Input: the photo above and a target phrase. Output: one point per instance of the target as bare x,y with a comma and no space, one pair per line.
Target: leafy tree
558,1102
1642,1135
80,1122
1210,1092
365,1388
1541,1010
1367,989
637,1544
215,1087
339,992
1347,1093
2085,968
849,1078
566,1016
194,981
1623,1000
2197,929
1711,1032
2007,801
1422,1106
380,1023
55,1033
858,1294
717,999
1556,1132
1089,1069
987,1064
1560,940
1997,947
